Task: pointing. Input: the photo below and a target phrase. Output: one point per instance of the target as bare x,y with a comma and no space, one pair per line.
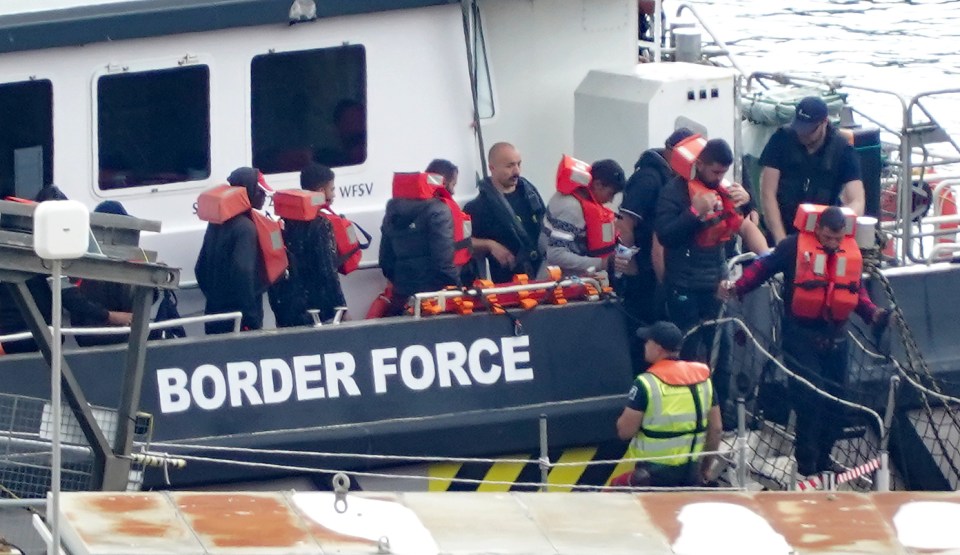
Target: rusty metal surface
467,523
125,523
262,523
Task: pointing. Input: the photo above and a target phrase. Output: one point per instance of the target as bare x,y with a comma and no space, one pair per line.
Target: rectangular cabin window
308,106
153,127
26,137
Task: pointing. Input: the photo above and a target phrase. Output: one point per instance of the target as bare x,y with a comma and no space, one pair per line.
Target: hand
706,469
881,318
119,318
624,265
754,217
738,194
704,203
726,290
502,255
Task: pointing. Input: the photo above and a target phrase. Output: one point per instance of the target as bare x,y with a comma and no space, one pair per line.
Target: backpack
168,311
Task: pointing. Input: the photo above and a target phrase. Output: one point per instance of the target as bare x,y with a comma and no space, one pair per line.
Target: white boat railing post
741,444
56,409
544,453
657,30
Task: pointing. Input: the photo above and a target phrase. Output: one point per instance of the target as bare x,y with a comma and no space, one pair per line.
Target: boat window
153,127
485,107
26,141
309,105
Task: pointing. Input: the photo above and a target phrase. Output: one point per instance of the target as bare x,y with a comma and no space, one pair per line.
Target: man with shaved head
507,216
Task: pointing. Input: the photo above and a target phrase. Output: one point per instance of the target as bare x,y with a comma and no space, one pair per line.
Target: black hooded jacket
312,282
651,173
416,246
229,269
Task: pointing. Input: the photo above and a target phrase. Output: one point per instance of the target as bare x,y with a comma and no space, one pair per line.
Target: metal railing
120,330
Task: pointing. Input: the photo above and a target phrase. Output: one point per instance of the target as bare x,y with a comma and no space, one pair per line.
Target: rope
531,485
789,372
408,419
817,481
915,360
408,458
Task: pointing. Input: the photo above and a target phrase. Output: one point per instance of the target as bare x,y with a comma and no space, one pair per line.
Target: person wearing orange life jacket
821,266
671,414
230,268
417,245
578,233
696,218
312,282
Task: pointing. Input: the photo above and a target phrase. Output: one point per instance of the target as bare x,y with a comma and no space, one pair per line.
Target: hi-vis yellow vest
671,427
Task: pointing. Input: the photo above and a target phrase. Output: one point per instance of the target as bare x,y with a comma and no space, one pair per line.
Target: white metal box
61,229
618,115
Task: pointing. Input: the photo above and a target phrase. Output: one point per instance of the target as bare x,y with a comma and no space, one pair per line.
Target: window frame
142,66
17,78
340,170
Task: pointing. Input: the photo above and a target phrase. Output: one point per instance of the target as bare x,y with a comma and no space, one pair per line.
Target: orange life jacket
349,246
680,372
224,202
573,178
726,219
297,204
426,186
684,156
826,285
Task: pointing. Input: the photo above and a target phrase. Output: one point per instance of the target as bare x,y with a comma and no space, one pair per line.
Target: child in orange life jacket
821,267
579,234
312,282
229,269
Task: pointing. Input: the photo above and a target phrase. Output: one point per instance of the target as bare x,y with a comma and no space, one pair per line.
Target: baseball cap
677,136
810,112
664,334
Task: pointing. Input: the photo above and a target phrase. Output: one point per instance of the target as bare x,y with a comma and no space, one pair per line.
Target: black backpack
168,311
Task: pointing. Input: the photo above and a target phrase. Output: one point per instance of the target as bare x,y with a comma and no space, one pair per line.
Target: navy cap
810,112
664,334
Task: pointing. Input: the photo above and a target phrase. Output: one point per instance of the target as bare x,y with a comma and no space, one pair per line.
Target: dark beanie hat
245,177
111,207
677,136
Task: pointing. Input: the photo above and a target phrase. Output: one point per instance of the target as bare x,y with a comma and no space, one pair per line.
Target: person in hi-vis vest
671,415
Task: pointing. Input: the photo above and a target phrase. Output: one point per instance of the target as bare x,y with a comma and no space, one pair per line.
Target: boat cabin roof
31,25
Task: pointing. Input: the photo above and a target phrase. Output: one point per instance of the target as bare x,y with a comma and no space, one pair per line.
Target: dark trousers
687,308
643,304
819,356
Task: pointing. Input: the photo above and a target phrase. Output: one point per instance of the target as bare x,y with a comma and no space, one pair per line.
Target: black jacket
687,266
229,271
651,174
312,281
494,218
416,246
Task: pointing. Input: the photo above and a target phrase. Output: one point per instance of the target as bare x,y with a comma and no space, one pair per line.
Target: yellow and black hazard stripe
508,475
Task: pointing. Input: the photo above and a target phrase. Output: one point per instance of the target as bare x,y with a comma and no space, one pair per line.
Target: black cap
810,112
664,334
677,136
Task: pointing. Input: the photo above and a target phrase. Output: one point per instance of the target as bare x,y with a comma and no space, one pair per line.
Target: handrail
337,316
119,330
939,249
714,36
473,292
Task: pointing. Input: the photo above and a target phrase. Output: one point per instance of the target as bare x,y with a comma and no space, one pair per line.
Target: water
904,46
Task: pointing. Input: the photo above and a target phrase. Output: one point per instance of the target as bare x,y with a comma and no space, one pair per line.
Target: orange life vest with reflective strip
224,202
573,178
349,246
826,285
428,186
726,220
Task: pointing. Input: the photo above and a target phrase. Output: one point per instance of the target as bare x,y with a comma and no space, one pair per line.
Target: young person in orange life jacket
821,268
696,217
425,238
230,268
312,281
578,230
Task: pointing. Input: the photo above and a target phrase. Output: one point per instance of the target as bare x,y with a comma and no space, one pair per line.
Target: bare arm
753,238
769,184
853,196
629,423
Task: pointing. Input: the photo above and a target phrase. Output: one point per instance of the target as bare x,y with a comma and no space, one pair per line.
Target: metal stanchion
883,473
544,454
741,444
56,409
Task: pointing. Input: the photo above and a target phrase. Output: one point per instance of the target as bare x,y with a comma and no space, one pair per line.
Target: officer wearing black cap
807,162
671,415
